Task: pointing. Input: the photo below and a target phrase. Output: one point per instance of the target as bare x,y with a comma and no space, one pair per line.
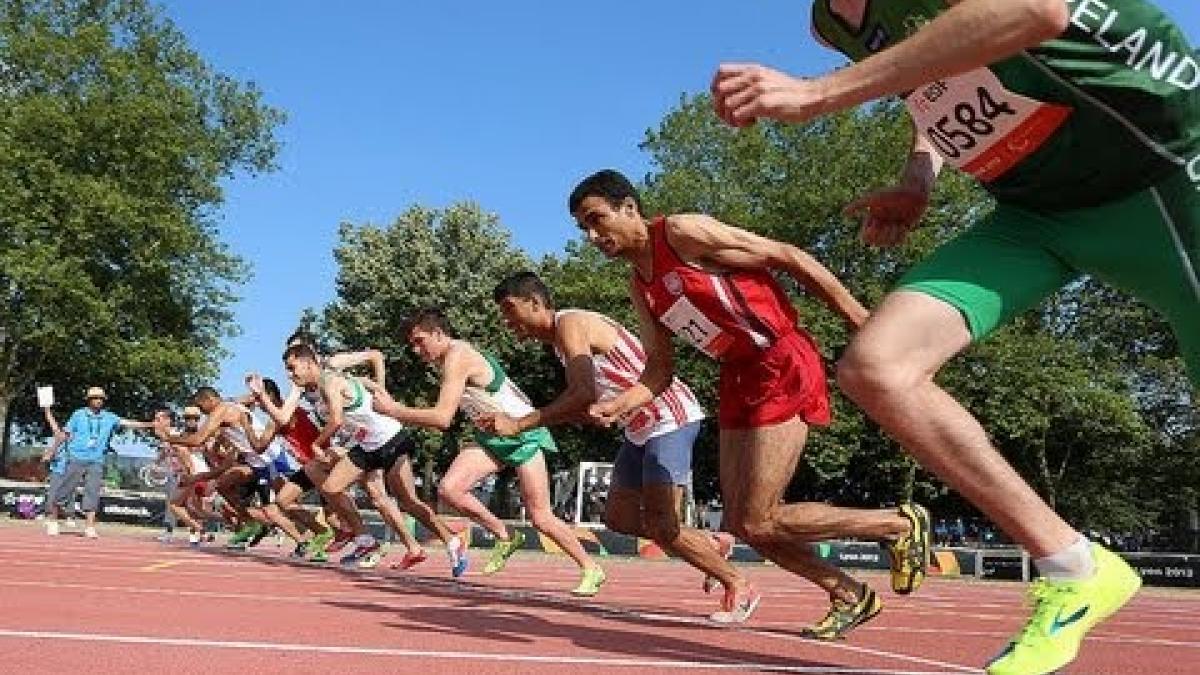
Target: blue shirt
90,434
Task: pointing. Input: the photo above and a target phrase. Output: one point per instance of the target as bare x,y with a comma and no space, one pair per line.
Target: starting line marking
520,658
162,565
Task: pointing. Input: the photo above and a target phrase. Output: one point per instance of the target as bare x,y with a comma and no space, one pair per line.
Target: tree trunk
6,417
1044,476
910,483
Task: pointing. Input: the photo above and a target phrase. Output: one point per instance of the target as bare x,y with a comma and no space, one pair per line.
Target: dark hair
204,393
525,285
272,391
428,318
611,186
300,350
301,336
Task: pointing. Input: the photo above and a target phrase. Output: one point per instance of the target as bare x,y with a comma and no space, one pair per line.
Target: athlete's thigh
288,494
535,482
469,467
623,508
341,476
757,464
401,481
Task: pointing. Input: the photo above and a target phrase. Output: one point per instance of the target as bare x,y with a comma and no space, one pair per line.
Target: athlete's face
520,315
304,372
609,228
429,345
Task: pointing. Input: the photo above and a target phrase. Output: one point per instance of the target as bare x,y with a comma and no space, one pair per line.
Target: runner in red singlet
710,285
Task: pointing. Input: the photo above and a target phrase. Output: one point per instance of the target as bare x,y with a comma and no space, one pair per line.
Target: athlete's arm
574,340
889,214
335,399
456,370
707,240
969,35
59,436
659,372
212,425
281,415
374,357
135,424
227,459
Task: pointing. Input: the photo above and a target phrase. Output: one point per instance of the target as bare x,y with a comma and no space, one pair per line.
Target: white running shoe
90,533
72,524
52,528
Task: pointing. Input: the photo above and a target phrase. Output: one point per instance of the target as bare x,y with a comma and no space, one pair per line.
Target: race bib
688,323
981,127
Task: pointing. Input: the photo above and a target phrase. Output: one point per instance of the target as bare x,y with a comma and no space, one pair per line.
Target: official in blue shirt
89,432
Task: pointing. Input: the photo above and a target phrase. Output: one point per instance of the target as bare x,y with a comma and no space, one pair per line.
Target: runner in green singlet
1082,118
474,382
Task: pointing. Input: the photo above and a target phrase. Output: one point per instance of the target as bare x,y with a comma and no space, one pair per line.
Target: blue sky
508,104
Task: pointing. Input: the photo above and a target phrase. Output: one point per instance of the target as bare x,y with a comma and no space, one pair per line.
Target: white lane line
416,653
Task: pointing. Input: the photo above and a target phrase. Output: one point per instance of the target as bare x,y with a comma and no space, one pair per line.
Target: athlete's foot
411,559
319,556
52,528
194,540
339,541
363,546
724,543
239,539
737,606
371,559
260,533
502,551
90,533
1063,613
844,616
589,585
321,540
456,550
909,555
301,550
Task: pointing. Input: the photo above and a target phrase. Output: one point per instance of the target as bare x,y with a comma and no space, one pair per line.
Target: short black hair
301,336
300,350
272,390
525,285
610,185
206,393
428,318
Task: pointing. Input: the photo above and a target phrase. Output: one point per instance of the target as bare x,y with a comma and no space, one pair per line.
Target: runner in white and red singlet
654,464
710,285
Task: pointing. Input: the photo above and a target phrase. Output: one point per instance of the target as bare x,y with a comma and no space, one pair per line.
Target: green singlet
1090,144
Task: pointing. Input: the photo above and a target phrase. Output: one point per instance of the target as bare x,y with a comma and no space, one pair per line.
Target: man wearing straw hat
89,431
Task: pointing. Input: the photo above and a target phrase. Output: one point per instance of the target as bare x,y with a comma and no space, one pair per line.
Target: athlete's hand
320,454
888,215
499,424
744,92
381,401
606,413
255,382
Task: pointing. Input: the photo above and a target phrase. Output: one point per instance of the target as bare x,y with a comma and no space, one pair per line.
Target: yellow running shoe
909,555
589,585
844,617
502,551
1063,613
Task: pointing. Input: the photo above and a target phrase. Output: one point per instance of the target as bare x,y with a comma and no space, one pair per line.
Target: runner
654,463
186,500
1082,119
475,383
379,454
710,284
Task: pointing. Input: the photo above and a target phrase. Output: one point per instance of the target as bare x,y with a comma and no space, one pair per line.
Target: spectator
89,432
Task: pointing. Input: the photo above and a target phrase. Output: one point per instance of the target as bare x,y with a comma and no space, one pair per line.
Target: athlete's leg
756,466
178,506
376,489
334,485
535,492
402,484
229,485
470,466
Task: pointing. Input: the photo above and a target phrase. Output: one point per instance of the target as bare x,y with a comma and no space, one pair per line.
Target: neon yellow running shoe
320,541
502,551
589,585
909,555
1063,613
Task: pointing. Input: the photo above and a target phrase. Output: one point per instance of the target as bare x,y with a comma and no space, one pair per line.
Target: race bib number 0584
981,127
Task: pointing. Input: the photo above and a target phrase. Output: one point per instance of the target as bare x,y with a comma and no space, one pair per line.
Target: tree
114,138
450,259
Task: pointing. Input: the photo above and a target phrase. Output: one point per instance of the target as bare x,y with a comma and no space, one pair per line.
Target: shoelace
1045,599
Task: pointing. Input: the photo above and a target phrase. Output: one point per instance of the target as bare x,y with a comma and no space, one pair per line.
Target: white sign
45,397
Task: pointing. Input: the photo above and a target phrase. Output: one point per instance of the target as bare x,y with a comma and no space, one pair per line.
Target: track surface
125,603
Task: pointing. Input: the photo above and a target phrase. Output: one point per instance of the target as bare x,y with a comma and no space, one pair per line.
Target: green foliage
114,139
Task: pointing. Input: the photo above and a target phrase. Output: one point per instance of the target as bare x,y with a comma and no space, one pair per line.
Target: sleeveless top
620,368
361,425
501,395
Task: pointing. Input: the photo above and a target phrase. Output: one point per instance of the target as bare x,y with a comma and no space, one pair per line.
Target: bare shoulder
577,327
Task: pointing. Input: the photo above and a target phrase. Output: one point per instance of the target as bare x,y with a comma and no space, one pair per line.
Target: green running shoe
502,551
589,585
1063,613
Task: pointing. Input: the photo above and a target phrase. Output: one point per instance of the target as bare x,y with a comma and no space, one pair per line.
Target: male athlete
379,452
654,463
474,382
710,285
187,499
1082,119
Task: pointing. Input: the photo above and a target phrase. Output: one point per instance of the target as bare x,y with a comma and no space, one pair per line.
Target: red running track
125,603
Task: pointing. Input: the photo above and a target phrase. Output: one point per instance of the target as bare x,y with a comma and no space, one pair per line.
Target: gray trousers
57,494
91,475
